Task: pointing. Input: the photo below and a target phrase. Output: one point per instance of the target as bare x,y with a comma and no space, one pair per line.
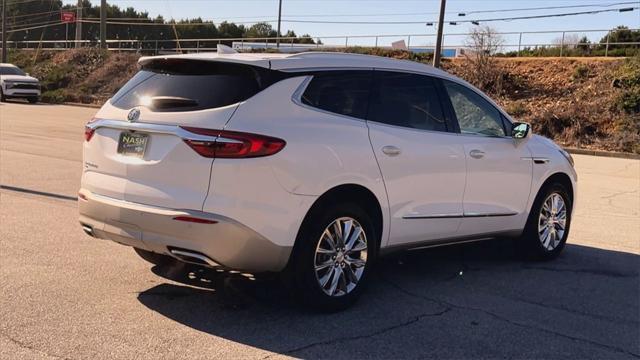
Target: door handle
391,150
476,154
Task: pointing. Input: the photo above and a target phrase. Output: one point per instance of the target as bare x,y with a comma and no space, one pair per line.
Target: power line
35,27
548,8
592,12
353,15
333,22
20,2
13,26
174,23
44,13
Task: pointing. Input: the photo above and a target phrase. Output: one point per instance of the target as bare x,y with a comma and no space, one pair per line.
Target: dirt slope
581,102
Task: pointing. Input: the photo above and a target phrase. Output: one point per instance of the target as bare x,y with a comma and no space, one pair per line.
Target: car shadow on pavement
473,300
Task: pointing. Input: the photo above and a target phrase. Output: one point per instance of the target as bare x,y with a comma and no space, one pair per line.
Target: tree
24,14
230,30
584,45
261,30
482,44
622,34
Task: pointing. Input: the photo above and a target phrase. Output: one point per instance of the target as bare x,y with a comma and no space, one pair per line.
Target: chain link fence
552,43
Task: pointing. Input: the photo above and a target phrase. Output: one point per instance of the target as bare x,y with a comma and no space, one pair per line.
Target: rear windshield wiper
169,102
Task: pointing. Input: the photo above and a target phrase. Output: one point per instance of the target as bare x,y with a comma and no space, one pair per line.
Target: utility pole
4,31
279,21
438,51
103,24
78,23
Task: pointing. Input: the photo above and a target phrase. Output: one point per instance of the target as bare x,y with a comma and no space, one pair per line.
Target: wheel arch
560,178
347,192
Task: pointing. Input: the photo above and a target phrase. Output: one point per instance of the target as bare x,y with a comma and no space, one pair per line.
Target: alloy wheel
341,256
552,221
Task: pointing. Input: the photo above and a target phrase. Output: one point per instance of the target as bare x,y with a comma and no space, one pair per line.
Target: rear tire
326,272
547,229
32,100
2,97
154,258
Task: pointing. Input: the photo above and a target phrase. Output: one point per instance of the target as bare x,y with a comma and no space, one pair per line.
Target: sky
399,10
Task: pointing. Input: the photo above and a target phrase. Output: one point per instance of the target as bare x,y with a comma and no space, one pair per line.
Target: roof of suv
308,60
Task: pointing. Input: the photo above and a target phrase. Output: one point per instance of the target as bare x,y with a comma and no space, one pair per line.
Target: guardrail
512,41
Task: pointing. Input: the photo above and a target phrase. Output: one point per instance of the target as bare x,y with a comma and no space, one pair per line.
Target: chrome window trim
446,132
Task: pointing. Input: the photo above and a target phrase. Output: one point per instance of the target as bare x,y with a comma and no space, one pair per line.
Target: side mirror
27,74
520,130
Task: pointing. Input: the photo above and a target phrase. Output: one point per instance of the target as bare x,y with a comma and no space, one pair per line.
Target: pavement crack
569,310
411,321
509,321
599,272
31,348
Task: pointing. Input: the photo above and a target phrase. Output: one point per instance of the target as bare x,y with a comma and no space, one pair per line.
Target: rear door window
340,92
188,85
407,100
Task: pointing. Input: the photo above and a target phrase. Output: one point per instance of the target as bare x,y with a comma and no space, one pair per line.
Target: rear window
340,92
407,100
188,85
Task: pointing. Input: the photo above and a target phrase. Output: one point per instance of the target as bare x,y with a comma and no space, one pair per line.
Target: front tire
32,100
334,253
547,228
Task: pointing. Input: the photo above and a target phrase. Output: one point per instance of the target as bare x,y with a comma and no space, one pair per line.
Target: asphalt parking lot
66,295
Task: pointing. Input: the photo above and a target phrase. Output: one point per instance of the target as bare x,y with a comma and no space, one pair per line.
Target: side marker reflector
194,220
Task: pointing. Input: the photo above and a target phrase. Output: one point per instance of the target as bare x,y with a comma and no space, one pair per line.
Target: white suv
15,83
314,164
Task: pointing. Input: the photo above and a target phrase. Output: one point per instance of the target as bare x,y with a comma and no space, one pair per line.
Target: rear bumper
227,242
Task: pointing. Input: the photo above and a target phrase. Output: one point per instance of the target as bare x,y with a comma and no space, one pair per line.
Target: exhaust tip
87,230
193,257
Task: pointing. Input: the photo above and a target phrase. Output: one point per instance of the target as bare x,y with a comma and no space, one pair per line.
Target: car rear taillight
88,130
88,133
233,144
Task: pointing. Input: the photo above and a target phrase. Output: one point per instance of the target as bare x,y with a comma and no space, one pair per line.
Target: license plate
133,144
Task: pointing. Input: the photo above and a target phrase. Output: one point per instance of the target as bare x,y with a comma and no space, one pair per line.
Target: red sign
67,16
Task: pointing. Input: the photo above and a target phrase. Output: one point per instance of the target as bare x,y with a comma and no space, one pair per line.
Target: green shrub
628,75
628,81
627,135
628,101
516,109
58,76
57,96
580,72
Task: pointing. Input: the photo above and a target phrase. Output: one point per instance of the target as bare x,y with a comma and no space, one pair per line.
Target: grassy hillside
581,102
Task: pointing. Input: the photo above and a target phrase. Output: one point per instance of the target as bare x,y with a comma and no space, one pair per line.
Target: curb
603,153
